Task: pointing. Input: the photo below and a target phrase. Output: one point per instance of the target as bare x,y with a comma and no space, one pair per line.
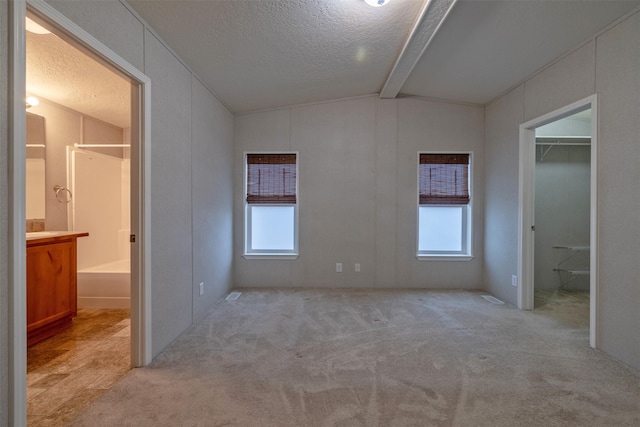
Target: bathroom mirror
36,165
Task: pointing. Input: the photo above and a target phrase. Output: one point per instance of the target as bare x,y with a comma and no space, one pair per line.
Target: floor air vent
233,296
492,299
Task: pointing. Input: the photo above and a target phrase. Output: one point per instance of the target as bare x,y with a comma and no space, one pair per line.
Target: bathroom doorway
138,101
86,111
558,216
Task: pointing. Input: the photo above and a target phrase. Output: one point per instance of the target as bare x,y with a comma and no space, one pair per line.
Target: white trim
270,256
526,206
452,257
17,322
141,353
593,240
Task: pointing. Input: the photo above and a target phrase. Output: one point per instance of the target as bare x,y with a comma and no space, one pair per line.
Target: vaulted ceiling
260,54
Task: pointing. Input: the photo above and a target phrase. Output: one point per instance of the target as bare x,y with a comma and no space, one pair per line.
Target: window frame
248,253
466,254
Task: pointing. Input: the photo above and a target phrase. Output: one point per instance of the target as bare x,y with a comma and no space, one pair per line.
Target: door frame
526,208
141,349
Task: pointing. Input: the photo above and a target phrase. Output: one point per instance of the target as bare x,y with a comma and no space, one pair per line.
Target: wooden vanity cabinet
51,285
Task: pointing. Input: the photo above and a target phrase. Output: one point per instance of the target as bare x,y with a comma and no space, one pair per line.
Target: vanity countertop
39,237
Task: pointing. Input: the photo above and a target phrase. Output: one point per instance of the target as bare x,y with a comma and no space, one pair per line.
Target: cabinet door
51,283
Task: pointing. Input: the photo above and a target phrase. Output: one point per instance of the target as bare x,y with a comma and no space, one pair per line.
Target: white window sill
445,257
270,256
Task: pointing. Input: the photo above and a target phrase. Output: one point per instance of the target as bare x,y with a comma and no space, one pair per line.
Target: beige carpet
373,358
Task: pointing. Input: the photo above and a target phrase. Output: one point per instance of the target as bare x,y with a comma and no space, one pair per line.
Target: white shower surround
105,286
101,187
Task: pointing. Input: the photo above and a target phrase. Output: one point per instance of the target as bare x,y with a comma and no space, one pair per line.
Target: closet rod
562,143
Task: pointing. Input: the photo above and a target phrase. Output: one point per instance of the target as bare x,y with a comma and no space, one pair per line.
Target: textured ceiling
61,73
261,54
257,54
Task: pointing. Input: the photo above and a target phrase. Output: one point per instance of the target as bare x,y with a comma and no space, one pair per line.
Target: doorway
49,18
85,111
558,208
562,200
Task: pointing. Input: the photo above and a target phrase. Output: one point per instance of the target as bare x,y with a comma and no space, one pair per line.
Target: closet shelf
572,248
581,271
567,263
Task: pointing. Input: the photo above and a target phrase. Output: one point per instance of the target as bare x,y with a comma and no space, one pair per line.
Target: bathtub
105,285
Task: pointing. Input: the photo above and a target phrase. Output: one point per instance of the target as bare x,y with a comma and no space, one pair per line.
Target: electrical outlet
357,267
201,288
514,280
338,267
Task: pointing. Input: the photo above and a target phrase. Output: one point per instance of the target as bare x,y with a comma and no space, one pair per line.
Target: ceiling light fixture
32,101
376,3
35,28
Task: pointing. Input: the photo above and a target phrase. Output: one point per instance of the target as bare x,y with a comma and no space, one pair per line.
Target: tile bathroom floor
69,370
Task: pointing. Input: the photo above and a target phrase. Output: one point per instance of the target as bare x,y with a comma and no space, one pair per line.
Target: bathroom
78,180
73,183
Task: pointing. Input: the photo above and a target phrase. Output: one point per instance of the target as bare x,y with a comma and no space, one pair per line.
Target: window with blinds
444,179
271,220
444,201
271,178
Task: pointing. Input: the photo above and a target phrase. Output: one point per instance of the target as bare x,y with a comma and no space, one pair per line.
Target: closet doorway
562,200
558,155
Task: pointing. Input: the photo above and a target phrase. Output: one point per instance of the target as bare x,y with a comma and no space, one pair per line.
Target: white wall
618,87
358,191
606,66
212,197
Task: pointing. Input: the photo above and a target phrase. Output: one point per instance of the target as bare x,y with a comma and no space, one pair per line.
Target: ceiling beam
430,19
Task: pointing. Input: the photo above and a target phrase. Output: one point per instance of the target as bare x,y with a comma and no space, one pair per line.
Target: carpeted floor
374,358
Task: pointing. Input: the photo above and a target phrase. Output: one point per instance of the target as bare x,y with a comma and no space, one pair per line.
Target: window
444,204
271,214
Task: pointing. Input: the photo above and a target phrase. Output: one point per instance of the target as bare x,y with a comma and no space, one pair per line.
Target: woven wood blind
271,178
444,179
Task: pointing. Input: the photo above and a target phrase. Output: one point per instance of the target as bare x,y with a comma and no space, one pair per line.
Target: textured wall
618,87
212,197
358,191
502,119
614,77
170,193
